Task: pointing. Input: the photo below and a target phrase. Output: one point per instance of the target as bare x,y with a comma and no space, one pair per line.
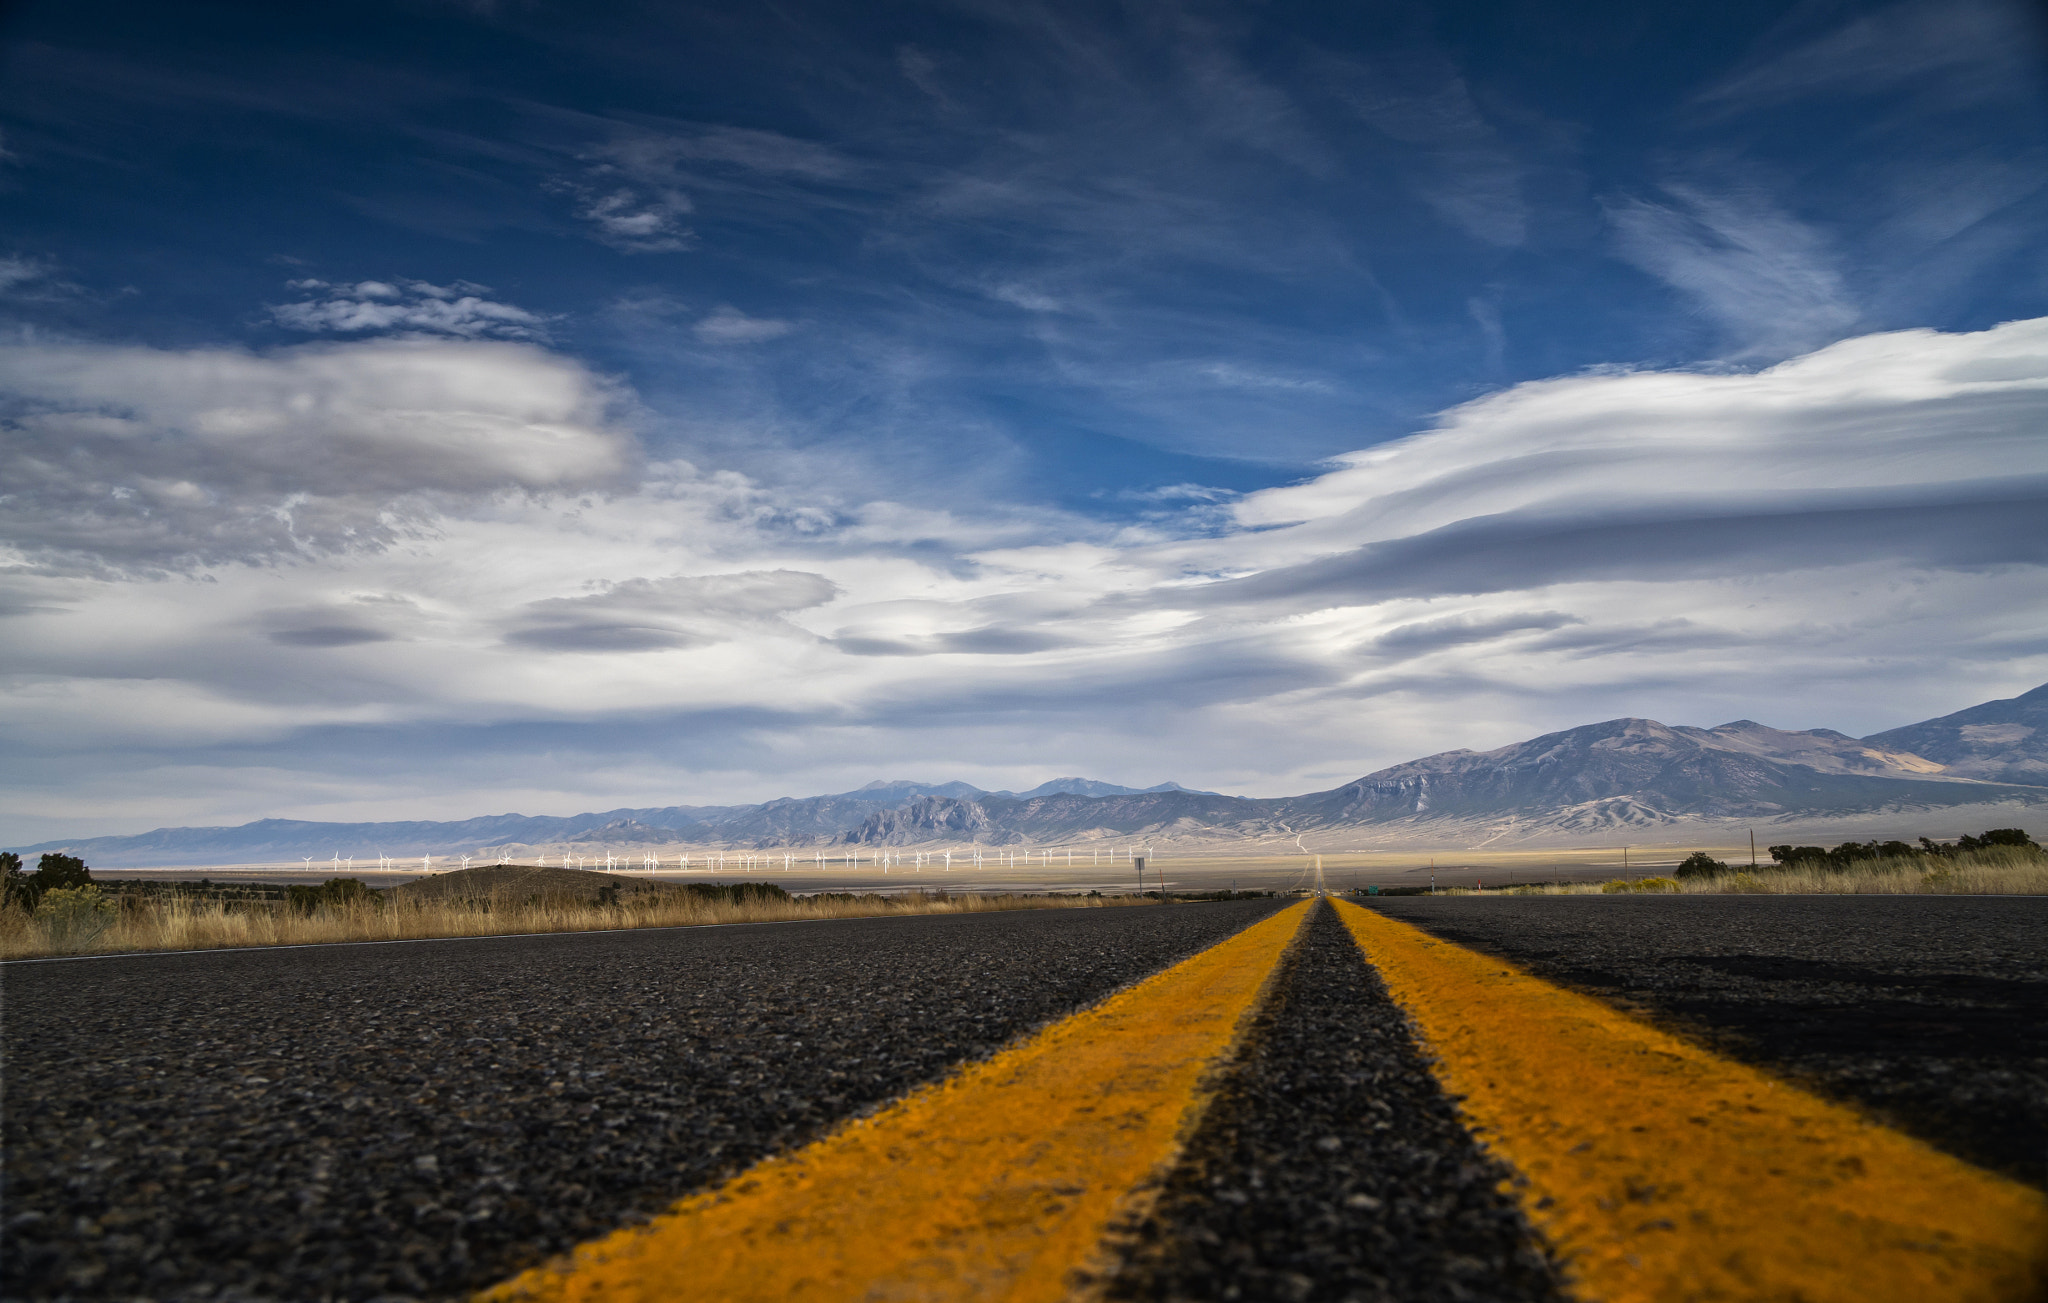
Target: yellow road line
1661,1171
995,1184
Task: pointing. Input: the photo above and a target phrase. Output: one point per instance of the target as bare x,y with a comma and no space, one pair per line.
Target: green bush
13,882
74,917
55,871
304,899
1699,864
1795,854
737,893
1984,841
1640,884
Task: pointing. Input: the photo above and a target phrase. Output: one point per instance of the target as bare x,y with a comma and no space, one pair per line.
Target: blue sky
418,409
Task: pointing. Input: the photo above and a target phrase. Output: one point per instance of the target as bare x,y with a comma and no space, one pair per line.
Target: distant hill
1637,773
1588,782
1999,741
780,822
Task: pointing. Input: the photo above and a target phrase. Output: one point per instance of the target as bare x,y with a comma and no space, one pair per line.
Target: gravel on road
1929,1011
1332,1165
383,1122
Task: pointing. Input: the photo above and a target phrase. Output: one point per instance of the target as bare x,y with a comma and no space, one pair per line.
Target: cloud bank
134,459
457,555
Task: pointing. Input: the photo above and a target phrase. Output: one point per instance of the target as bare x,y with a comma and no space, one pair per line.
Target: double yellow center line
1655,1169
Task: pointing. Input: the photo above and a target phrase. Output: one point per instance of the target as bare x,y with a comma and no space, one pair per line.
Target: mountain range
1591,783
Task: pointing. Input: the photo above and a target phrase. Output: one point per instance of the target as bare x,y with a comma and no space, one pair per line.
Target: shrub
1984,841
74,917
13,882
738,893
303,899
1699,864
55,871
1849,852
1618,885
1794,854
1657,884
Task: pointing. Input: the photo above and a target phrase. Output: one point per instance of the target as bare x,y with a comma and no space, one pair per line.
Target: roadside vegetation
2003,861
38,920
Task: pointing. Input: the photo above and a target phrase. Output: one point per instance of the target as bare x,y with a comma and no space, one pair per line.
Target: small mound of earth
520,882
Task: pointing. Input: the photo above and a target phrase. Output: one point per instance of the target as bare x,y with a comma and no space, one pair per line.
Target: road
420,1120
1930,1010
424,1120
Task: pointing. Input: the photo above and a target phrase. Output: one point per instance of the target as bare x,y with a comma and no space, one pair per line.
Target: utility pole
1752,848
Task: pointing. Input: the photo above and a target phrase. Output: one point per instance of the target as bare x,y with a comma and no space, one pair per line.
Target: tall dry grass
2002,871
185,923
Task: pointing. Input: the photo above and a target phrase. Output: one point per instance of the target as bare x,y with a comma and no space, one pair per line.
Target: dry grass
184,923
1998,872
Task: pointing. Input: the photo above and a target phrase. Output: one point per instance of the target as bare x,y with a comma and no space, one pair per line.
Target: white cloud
728,325
635,222
661,614
1850,538
32,278
130,456
16,270
1955,52
459,310
1770,280
635,189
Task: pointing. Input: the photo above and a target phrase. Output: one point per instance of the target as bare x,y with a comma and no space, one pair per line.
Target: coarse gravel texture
1332,1166
1931,1012
381,1122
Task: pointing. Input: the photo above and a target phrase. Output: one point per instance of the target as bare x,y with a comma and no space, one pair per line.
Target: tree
13,882
1699,864
56,870
1794,854
1984,841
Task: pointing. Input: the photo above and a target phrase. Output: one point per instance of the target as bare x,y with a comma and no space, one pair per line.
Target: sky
417,409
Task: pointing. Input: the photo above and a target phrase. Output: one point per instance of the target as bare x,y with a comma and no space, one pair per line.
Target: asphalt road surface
421,1120
1332,1166
1929,1011
416,1121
